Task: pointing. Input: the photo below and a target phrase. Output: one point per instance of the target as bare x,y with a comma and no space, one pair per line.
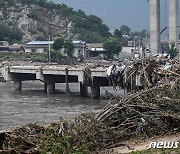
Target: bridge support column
18,85
95,91
45,87
155,25
51,88
83,90
174,22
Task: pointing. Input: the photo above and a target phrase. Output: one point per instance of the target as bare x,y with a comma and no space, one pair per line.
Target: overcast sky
133,13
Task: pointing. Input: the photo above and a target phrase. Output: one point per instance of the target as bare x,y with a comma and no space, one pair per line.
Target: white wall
40,50
126,50
27,50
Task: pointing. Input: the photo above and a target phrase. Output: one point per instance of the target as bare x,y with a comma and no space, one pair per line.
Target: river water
33,105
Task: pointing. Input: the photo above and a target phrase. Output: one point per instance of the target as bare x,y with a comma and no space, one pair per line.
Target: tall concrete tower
174,22
155,25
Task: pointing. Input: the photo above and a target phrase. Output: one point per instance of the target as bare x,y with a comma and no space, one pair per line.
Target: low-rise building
38,46
12,48
79,48
16,48
4,43
95,49
4,48
42,46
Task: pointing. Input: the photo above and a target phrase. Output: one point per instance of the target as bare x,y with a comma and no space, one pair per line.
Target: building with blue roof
38,46
80,47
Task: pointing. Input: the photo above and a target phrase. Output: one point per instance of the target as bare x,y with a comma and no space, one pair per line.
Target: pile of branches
144,74
82,135
154,111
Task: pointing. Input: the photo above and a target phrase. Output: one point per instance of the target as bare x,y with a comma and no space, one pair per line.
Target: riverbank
81,135
141,146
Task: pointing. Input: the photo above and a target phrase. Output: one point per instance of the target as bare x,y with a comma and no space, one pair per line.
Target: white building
94,49
38,46
79,48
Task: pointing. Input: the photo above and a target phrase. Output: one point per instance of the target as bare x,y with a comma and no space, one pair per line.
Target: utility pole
49,49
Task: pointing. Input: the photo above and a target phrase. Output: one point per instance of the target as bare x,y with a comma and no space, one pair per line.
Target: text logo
165,145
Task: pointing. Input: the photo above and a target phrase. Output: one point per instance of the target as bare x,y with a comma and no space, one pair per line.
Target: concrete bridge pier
95,91
45,87
155,25
83,90
18,85
174,22
50,88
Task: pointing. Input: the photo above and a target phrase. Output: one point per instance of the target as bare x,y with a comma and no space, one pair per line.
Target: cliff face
36,22
24,20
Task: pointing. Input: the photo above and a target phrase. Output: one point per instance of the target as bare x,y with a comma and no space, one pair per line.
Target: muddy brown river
33,105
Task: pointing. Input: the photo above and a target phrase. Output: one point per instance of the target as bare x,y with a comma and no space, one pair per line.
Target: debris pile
143,74
82,135
154,111
87,78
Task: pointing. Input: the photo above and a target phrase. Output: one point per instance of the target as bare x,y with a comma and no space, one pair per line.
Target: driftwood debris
153,111
143,74
82,135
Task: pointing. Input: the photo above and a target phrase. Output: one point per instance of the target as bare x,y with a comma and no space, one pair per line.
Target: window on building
33,50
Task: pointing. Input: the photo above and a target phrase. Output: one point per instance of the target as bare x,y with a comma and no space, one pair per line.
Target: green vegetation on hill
89,28
6,3
9,34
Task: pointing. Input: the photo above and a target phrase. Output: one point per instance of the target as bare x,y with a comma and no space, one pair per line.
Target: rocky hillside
23,20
